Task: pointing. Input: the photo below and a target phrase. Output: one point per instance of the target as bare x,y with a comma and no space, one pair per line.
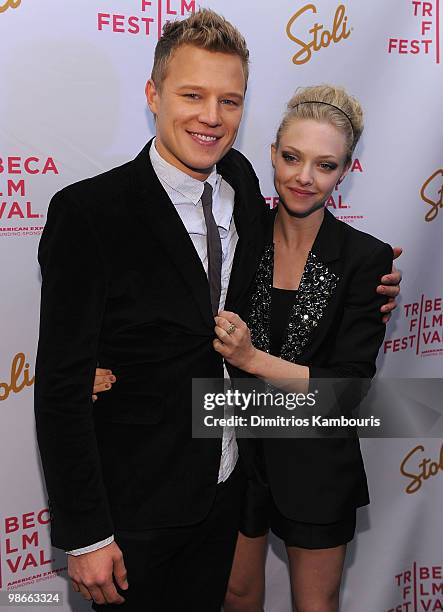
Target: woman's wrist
255,364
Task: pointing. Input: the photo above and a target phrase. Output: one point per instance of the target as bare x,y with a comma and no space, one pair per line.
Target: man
133,497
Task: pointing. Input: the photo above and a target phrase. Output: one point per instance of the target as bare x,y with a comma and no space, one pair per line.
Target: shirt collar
189,187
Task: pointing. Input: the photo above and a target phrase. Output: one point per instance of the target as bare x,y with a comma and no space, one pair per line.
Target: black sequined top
310,300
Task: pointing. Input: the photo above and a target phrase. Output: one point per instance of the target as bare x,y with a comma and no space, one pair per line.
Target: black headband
327,104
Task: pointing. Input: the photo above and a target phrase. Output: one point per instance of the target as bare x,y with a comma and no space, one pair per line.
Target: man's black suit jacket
123,286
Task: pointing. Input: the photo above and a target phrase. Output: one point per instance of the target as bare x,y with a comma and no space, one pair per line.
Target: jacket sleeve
361,331
73,298
357,341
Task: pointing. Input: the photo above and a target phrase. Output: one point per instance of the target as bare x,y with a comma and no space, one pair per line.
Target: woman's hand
103,381
390,287
233,340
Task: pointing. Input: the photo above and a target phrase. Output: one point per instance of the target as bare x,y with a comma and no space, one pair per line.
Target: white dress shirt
185,193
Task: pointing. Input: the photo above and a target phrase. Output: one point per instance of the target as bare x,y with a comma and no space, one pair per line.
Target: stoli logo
19,377
417,468
13,4
321,37
435,203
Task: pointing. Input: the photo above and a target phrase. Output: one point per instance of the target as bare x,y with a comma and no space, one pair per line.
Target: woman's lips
301,193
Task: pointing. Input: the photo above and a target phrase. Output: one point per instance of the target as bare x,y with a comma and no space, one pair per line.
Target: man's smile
205,139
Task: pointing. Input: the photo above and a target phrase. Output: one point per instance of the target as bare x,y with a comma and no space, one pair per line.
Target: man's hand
92,574
391,287
103,381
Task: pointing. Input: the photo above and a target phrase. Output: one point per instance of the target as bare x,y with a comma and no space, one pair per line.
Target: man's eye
229,102
191,96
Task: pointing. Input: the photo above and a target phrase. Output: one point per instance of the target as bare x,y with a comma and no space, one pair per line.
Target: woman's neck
297,233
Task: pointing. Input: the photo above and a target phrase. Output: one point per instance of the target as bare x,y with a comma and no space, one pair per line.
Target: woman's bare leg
246,586
316,577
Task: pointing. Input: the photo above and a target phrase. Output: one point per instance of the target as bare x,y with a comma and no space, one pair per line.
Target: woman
313,314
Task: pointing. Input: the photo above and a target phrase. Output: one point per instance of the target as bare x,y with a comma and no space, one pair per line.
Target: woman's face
309,161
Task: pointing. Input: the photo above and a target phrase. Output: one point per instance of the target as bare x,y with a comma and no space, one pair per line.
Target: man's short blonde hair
204,29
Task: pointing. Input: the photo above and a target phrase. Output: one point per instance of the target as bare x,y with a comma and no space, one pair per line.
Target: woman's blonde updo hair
329,104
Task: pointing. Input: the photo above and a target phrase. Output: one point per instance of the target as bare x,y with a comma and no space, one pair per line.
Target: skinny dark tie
214,247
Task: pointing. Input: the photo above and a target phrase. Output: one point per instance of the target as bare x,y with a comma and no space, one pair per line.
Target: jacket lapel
249,211
328,243
317,285
316,288
155,210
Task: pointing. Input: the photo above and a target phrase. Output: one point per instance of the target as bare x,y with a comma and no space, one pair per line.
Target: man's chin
207,158
199,168
204,164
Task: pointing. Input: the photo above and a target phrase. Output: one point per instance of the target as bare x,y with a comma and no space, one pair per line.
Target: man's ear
152,95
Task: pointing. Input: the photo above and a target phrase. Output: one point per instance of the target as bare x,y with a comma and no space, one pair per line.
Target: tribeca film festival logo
427,40
24,548
341,207
321,36
417,468
15,206
150,20
435,180
421,589
336,201
19,378
424,335
9,4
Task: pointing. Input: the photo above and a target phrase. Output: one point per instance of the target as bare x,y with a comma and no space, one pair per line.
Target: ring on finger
231,329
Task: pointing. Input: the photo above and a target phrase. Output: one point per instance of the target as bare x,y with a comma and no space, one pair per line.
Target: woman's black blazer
335,328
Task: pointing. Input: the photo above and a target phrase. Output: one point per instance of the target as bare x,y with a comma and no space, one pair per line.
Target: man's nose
210,113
